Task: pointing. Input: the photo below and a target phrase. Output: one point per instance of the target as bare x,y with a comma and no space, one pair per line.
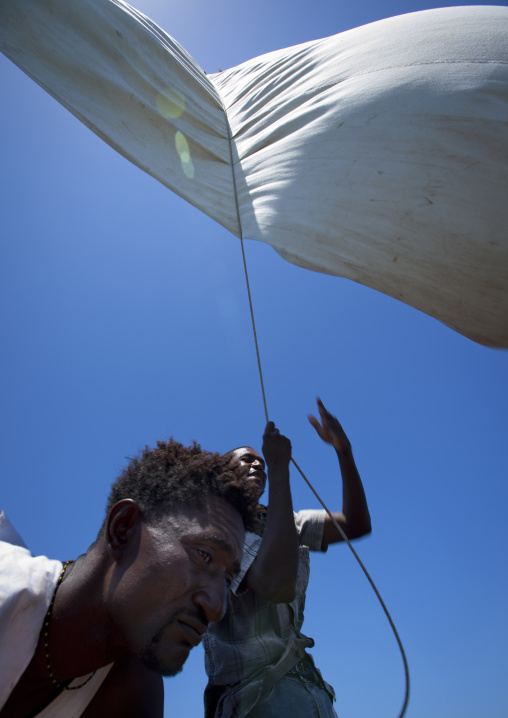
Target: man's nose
212,599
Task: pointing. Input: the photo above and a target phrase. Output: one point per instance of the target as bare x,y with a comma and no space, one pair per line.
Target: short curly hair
173,476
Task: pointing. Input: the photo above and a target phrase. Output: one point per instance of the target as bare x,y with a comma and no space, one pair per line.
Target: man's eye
204,555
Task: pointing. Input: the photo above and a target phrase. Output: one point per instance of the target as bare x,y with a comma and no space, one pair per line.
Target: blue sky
125,319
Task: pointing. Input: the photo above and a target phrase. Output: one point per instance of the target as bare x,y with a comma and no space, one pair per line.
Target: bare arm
354,519
274,571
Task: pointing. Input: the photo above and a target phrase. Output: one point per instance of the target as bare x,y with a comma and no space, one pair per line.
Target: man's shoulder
20,571
26,586
310,525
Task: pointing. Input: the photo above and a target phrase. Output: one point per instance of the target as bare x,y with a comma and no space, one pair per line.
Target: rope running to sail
339,529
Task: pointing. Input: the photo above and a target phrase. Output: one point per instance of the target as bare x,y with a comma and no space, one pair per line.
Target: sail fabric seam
230,139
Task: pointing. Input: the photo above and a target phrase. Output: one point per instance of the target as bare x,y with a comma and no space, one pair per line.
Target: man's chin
165,667
167,672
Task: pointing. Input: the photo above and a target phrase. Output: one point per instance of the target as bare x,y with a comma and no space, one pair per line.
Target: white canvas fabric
26,587
72,704
8,533
379,154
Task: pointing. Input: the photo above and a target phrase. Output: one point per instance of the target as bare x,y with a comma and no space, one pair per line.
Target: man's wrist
277,474
345,451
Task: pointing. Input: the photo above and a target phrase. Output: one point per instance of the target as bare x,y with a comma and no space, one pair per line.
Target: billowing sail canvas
379,154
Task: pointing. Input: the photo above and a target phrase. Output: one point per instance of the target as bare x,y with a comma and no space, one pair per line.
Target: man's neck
81,631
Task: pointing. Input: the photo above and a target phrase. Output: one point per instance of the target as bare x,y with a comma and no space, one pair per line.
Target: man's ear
122,527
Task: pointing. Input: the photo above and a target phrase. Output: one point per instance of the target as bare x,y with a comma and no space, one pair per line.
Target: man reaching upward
256,656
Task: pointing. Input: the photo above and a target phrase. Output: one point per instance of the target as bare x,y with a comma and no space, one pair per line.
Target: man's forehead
229,540
217,520
246,450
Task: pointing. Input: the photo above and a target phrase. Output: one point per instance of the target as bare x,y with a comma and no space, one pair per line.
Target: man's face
176,583
248,457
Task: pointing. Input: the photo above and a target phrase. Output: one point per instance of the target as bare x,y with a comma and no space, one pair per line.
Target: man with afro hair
93,637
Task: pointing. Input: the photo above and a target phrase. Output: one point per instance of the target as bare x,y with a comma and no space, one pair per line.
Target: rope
254,330
339,529
373,586
239,221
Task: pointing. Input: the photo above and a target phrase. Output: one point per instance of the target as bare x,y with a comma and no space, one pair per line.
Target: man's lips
192,629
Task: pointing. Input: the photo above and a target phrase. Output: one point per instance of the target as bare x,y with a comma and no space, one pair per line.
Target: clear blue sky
125,319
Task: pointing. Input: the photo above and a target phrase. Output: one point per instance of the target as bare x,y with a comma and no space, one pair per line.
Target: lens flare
183,149
170,103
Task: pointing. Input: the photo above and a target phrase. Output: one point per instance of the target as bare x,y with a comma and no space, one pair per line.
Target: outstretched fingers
330,429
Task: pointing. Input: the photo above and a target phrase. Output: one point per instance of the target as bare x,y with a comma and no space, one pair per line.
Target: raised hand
330,429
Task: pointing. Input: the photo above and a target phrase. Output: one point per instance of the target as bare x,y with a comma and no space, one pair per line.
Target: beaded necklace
46,640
